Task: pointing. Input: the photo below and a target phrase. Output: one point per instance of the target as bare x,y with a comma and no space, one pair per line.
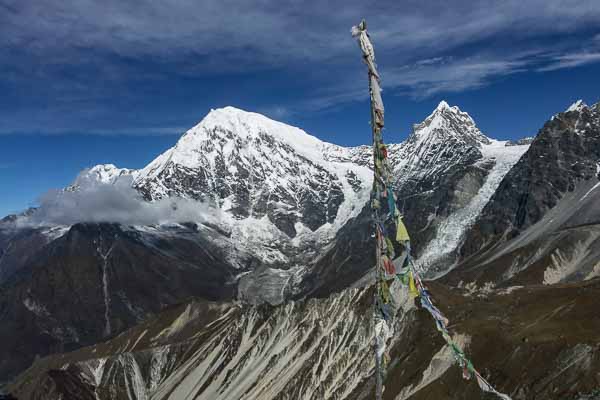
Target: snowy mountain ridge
251,166
102,174
280,195
295,231
274,183
448,136
577,106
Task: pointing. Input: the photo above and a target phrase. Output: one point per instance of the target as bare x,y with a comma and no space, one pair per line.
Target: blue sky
86,82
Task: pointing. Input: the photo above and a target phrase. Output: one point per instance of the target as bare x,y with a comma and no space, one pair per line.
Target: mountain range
238,264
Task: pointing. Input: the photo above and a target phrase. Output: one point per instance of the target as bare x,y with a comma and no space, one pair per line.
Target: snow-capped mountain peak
449,121
251,166
443,105
106,174
245,129
448,142
577,106
280,193
447,137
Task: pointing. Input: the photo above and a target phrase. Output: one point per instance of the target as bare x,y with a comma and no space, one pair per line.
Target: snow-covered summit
447,137
107,174
251,166
577,106
444,105
280,193
231,132
447,121
245,125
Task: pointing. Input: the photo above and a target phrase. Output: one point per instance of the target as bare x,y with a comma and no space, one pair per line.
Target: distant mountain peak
230,124
251,166
446,121
101,174
577,106
443,105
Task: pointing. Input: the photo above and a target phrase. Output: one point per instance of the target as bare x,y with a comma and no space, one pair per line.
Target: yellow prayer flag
402,234
412,288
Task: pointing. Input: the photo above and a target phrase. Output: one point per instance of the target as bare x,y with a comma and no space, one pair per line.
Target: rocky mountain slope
288,219
565,152
447,170
541,225
98,279
321,349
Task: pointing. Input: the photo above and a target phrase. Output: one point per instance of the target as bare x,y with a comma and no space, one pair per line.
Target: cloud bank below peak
113,203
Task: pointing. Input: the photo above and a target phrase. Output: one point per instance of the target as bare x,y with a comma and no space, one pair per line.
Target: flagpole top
358,29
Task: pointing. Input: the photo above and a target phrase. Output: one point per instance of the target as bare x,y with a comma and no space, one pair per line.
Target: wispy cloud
571,61
423,80
90,59
253,33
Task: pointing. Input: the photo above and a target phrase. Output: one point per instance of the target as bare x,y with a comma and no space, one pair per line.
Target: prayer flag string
393,260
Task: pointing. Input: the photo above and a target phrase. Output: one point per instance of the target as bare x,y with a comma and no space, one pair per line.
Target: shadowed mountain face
565,153
542,225
99,279
438,170
288,218
446,172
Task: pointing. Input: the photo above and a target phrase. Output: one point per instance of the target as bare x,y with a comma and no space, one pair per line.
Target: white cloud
238,35
571,61
116,203
450,75
425,78
219,37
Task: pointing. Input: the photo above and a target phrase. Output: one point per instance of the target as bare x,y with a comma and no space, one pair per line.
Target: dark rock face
19,244
98,280
565,152
64,384
351,256
16,248
426,202
563,246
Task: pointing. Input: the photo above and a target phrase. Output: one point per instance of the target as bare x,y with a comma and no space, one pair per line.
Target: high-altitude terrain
241,267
